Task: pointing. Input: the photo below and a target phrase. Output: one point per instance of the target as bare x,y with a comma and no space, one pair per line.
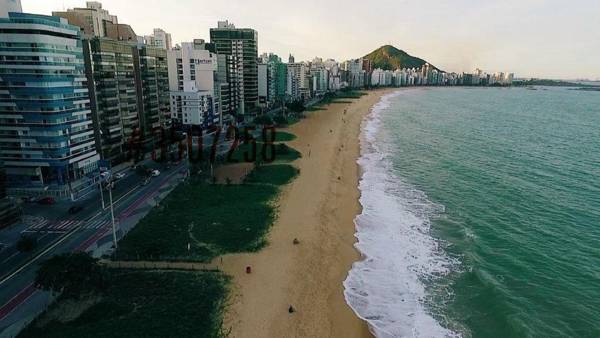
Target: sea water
481,214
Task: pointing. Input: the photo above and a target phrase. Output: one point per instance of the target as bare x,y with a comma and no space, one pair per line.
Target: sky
532,38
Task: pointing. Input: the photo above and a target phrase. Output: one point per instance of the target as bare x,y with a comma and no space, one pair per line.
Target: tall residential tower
239,49
46,132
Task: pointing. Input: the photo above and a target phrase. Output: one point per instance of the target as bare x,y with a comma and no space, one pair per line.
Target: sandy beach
318,209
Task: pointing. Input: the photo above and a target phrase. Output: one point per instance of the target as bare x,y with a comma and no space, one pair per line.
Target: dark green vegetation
548,83
392,58
72,275
339,97
146,304
282,136
200,221
211,219
265,153
279,174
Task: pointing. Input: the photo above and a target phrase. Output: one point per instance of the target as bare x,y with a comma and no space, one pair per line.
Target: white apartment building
192,86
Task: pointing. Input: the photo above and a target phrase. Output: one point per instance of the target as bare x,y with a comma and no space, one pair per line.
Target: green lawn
282,136
283,153
277,174
148,304
211,219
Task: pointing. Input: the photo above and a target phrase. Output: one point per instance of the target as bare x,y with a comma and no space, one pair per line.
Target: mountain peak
388,57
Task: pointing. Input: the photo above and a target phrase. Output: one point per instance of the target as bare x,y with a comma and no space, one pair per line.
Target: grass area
282,154
200,221
282,136
146,304
277,174
211,219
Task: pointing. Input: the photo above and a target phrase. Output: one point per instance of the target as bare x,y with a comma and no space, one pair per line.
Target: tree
263,120
280,120
74,275
296,106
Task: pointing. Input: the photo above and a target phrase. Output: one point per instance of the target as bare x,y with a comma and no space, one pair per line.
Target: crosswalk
39,224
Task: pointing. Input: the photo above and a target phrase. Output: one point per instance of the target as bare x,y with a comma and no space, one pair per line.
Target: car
119,176
47,201
75,209
155,173
146,182
29,199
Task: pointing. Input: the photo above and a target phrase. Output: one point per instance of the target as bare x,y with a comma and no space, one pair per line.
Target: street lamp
109,185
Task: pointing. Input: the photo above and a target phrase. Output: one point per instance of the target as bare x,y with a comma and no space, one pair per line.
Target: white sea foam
386,288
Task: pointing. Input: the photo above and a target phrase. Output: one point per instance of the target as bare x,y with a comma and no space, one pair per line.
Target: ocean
481,214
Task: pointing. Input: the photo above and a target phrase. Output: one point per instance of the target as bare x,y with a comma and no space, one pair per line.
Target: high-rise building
47,137
263,84
240,48
277,79
294,71
92,19
192,71
111,78
152,86
159,39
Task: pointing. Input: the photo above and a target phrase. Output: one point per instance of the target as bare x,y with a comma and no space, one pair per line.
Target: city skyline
514,42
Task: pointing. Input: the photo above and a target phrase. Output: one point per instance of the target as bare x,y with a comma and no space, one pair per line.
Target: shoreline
318,209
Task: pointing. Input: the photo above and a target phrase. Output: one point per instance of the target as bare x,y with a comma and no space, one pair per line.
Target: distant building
159,39
263,84
92,19
192,74
355,73
48,146
239,47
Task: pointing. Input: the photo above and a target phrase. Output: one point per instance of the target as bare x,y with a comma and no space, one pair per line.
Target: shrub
72,274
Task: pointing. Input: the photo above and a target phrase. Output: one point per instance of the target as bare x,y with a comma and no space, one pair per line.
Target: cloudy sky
539,38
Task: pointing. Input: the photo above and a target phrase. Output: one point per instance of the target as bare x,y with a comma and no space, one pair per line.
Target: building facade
192,72
46,128
159,39
240,48
92,19
111,78
152,86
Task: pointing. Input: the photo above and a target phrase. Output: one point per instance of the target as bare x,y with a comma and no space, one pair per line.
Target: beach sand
318,209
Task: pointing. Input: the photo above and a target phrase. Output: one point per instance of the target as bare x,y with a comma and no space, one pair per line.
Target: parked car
155,173
47,201
75,209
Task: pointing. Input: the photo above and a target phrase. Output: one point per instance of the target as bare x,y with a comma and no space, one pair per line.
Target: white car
155,173
120,176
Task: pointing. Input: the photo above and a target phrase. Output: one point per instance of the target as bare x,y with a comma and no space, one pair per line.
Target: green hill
391,58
